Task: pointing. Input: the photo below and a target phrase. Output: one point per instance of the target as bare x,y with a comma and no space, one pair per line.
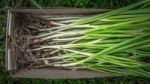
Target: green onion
112,42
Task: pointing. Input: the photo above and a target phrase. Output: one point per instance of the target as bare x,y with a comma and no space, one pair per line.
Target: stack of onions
113,42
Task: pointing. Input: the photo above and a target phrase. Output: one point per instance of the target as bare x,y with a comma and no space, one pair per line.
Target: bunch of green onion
114,42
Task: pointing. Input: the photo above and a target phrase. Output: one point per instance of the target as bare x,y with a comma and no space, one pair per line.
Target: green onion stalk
114,42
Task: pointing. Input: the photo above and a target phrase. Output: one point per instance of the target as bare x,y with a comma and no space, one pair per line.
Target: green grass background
8,4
